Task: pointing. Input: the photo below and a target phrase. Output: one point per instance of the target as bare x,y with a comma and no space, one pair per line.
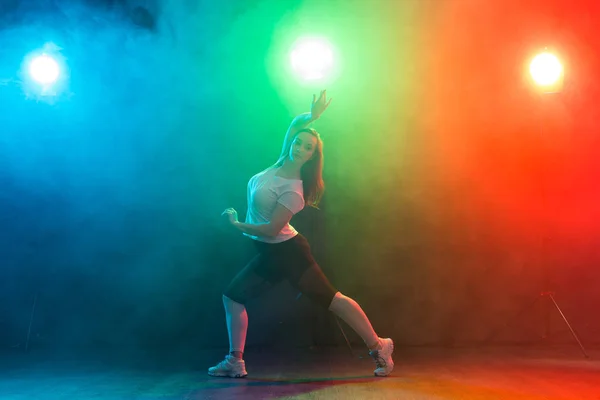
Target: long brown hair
311,172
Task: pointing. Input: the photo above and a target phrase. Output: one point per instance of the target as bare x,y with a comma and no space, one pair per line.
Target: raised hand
319,105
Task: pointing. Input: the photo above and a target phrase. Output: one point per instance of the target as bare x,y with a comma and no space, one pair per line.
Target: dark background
445,203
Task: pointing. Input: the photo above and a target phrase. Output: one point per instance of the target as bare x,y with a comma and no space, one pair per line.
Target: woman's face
303,147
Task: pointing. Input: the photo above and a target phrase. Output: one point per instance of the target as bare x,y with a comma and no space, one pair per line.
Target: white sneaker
231,366
383,357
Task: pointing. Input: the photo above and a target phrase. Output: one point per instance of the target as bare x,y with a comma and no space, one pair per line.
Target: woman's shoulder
265,171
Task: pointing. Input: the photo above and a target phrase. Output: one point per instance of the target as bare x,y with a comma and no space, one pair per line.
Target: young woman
274,196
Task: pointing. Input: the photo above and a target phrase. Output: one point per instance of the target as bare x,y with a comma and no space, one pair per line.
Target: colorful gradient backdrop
454,190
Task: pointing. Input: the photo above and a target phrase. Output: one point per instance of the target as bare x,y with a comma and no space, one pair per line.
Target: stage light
44,74
546,71
311,59
44,69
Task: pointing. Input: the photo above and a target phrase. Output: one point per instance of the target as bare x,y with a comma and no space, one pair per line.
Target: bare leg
380,349
351,312
246,285
237,326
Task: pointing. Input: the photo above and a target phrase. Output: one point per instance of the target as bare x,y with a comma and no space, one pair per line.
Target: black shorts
290,260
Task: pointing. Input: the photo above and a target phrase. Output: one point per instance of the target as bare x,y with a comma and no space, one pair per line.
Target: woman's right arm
301,121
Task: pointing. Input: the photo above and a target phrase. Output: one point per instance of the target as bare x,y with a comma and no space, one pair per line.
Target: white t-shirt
265,190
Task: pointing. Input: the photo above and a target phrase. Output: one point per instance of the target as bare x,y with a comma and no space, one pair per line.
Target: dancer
274,196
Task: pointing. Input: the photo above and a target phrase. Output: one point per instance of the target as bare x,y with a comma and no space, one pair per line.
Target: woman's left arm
281,216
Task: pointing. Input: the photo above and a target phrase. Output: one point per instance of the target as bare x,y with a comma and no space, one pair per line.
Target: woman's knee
337,299
230,303
316,286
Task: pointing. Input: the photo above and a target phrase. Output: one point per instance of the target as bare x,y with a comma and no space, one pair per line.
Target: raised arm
318,106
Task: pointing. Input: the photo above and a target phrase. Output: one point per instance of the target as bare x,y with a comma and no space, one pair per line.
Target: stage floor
421,373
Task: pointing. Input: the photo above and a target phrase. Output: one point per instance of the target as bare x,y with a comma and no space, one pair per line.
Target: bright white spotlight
312,59
546,69
44,69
